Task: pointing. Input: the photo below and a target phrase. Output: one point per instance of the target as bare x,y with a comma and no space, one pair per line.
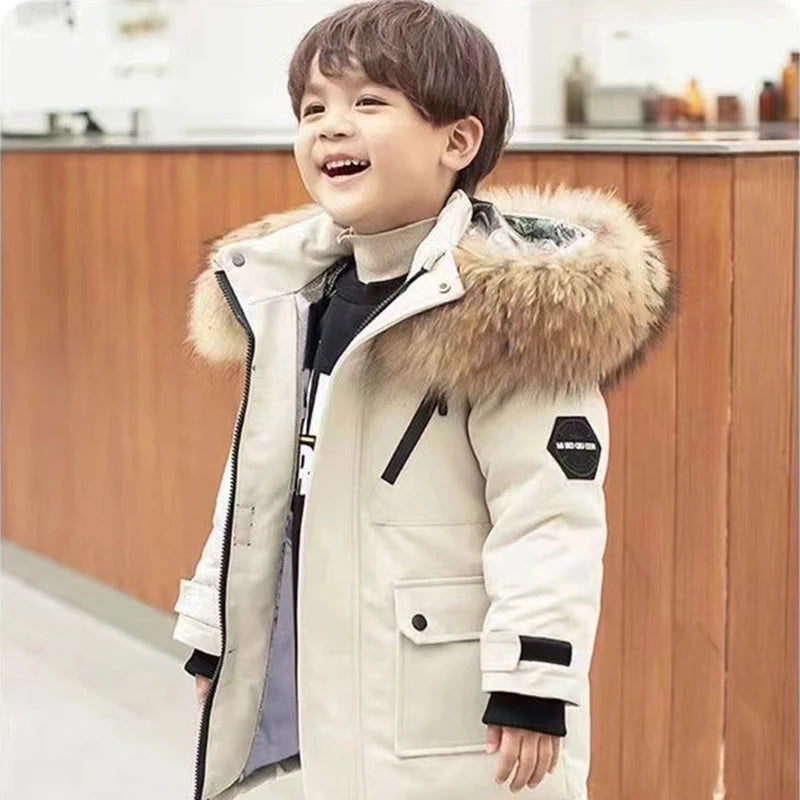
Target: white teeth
336,164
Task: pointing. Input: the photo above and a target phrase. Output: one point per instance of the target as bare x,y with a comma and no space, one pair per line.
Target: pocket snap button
444,287
238,259
419,622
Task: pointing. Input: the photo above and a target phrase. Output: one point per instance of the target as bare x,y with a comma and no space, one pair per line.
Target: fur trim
545,322
214,333
542,322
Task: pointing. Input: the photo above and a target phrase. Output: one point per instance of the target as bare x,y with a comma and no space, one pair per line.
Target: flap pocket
439,700
432,610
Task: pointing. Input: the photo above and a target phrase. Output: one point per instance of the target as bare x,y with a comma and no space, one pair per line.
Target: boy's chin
343,212
362,211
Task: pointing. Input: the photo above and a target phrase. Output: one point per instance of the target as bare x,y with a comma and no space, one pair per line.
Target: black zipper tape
202,739
386,301
413,433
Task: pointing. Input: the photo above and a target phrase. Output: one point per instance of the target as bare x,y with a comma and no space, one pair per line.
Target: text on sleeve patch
575,447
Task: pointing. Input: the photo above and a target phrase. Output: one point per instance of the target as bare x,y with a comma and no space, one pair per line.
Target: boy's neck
388,254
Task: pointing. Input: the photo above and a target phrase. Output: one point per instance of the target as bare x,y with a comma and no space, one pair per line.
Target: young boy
418,625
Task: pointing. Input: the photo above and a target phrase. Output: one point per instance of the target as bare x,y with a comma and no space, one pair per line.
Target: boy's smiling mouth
344,174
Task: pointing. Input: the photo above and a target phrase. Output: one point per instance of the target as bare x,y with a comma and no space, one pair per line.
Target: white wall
226,62
46,64
235,58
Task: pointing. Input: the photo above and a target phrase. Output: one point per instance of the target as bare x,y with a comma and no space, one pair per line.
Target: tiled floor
86,710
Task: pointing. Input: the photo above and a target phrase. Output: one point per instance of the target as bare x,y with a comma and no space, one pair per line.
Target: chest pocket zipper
413,433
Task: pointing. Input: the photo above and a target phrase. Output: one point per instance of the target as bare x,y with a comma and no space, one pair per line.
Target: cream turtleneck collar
387,254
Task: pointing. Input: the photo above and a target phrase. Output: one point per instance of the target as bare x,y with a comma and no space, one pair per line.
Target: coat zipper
385,302
413,433
202,739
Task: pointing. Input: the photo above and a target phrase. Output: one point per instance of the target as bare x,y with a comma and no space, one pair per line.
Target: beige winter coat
478,565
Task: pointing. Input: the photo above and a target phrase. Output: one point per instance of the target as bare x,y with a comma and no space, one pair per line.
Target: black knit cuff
543,714
201,663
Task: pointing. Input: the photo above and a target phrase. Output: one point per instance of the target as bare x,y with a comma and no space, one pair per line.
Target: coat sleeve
544,462
197,605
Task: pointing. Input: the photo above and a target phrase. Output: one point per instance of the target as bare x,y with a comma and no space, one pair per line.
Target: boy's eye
309,108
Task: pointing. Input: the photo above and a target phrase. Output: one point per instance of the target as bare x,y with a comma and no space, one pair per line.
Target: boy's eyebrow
315,88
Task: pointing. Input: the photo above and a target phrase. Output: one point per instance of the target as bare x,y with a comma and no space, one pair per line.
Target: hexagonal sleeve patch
575,447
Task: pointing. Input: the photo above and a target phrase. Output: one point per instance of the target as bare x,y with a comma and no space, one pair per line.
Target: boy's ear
463,143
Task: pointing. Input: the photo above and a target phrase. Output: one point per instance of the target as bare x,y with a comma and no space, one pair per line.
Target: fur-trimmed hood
564,289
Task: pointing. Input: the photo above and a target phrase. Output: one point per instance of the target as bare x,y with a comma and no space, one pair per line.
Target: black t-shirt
333,322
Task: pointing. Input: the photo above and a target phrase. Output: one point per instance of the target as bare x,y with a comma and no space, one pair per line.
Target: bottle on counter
789,88
575,84
662,110
650,104
694,108
729,111
768,103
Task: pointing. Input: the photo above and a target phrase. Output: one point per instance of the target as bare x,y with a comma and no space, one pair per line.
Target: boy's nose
336,126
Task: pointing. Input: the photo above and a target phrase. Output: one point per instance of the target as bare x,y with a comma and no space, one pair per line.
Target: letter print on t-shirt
317,397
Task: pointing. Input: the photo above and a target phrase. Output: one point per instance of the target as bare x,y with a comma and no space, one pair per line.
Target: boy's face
407,179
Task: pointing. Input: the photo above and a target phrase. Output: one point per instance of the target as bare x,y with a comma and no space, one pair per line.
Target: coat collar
559,290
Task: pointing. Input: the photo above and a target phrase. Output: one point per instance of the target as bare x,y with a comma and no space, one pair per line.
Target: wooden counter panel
114,436
760,474
648,489
790,698
704,250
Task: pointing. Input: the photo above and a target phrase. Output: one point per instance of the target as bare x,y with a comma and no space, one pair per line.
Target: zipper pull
442,404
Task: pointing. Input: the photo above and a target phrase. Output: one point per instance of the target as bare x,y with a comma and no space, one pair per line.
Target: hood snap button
238,259
419,622
444,287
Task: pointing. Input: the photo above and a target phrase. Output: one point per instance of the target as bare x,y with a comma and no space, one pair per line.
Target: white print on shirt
315,406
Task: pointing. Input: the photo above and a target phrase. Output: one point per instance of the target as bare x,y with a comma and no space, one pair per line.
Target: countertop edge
247,142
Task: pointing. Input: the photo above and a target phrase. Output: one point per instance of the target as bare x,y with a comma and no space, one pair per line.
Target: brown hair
446,67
